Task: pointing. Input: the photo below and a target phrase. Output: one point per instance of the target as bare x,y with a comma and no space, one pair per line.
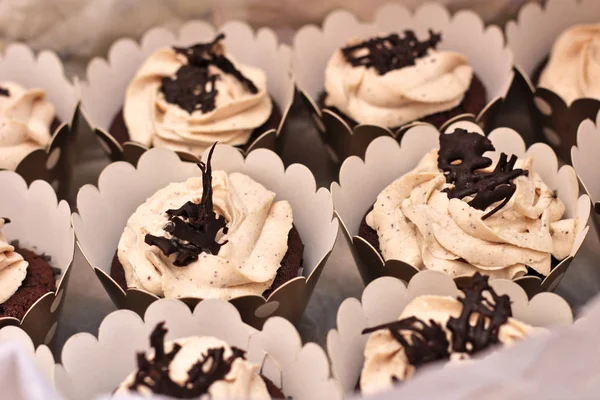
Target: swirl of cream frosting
573,70
151,120
13,268
436,83
258,228
25,120
242,382
385,357
417,223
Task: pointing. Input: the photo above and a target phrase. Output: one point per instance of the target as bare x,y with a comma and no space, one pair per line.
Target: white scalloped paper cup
93,366
104,212
360,182
45,71
587,164
531,37
464,32
103,92
384,299
41,224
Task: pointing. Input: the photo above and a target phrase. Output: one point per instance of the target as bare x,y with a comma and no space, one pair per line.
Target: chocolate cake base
119,130
38,281
473,103
290,264
274,391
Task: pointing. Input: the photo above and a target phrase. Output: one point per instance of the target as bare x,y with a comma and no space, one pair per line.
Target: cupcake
26,276
439,329
216,236
186,98
196,366
393,80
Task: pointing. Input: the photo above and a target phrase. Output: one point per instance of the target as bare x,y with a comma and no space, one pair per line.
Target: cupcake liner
464,32
104,212
384,299
43,225
530,38
103,92
586,163
53,164
361,182
92,366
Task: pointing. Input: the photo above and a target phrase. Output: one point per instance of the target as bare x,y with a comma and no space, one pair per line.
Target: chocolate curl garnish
4,92
193,227
154,373
486,308
423,343
193,87
6,220
461,158
391,52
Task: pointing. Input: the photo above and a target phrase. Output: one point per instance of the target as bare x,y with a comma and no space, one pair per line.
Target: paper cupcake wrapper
92,366
103,214
464,32
103,92
586,163
42,224
361,182
53,164
530,38
384,299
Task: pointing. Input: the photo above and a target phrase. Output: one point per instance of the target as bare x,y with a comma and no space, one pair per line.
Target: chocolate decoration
193,227
6,220
4,92
154,373
193,87
461,158
391,52
490,310
422,343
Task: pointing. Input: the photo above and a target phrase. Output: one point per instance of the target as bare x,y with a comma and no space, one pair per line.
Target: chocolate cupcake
25,276
459,212
436,328
196,366
27,121
186,98
216,236
393,80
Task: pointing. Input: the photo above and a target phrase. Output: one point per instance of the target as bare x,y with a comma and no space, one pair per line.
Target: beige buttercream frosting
242,382
13,268
151,120
385,357
25,119
573,70
247,264
436,83
417,223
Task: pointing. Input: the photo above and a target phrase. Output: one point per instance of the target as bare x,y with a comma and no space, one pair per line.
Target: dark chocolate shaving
154,373
4,92
391,52
193,87
193,227
461,158
423,343
6,220
488,309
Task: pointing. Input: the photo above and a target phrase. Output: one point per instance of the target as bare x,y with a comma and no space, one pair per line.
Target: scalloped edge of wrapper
384,299
53,164
302,371
531,37
386,160
586,163
464,32
108,79
103,214
41,224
